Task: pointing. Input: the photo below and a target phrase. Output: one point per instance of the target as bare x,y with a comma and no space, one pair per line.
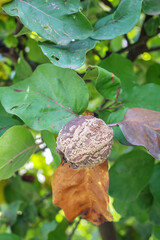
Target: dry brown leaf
82,192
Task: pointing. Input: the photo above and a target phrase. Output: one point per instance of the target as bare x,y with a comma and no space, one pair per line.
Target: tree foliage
60,59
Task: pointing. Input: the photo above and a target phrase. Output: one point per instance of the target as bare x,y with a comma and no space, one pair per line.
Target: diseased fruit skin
85,142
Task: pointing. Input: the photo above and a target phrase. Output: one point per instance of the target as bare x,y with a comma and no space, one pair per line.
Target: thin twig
49,194
74,229
142,41
127,39
104,101
40,149
113,125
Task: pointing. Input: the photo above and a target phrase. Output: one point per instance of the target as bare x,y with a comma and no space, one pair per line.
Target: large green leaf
130,174
154,215
8,236
59,21
146,96
17,145
156,232
120,22
106,82
151,7
20,227
130,209
15,191
155,182
122,68
48,99
138,208
70,56
7,120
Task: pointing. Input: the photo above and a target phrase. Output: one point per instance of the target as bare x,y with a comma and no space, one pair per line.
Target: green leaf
130,174
155,182
151,26
20,227
60,232
49,139
145,198
123,70
17,145
70,56
156,232
30,213
10,213
57,21
154,215
144,229
106,83
34,238
120,22
153,74
151,7
22,68
23,31
138,208
48,99
35,53
130,209
8,236
15,191
11,41
47,228
117,150
146,96
7,120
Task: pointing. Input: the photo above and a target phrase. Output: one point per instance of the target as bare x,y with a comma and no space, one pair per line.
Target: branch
107,231
127,39
143,38
74,229
49,194
139,47
153,49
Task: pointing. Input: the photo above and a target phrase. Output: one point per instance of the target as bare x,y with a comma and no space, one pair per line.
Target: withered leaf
82,192
142,127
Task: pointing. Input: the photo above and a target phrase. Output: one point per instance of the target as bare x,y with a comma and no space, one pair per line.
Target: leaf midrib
17,155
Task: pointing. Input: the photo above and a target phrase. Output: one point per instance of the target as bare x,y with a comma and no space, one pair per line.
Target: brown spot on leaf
17,90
